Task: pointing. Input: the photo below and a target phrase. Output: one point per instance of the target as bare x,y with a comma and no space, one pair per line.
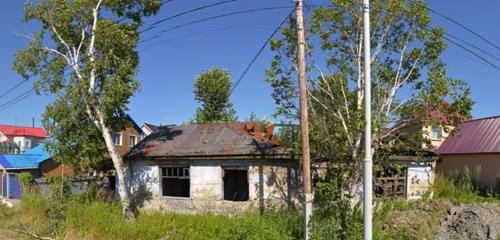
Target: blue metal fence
11,186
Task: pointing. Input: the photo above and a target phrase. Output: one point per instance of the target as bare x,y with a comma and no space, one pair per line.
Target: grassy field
78,217
99,220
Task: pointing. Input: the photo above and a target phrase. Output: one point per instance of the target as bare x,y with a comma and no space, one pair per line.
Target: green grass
100,220
83,217
461,191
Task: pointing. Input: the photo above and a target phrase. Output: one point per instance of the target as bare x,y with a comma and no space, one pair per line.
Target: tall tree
408,78
85,55
212,88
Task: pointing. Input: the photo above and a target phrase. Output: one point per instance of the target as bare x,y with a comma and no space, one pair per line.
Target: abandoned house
219,168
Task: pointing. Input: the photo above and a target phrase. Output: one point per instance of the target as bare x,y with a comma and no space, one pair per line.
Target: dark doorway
235,185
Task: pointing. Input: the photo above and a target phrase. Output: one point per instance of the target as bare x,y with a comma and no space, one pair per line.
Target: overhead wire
243,74
155,24
12,89
17,99
464,27
159,34
204,32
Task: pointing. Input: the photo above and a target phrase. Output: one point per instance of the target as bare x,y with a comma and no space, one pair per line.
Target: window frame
135,141
161,177
121,138
440,133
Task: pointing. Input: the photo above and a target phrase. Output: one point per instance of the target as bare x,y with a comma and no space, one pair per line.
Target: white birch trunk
120,172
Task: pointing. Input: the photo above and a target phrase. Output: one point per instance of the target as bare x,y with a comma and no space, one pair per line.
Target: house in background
24,137
125,139
477,146
423,136
148,128
224,167
35,161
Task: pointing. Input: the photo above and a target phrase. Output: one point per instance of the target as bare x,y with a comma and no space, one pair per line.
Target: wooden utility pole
304,123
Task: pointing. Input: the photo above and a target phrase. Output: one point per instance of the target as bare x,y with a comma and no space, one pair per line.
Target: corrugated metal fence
10,186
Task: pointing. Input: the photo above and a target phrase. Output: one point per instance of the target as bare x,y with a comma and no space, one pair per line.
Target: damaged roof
210,140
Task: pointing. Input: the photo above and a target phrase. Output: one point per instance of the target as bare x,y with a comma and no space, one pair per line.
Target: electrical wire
153,25
12,89
17,99
260,52
212,18
204,32
464,27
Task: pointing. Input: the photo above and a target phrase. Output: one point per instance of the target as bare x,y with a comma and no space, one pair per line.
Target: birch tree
84,54
409,78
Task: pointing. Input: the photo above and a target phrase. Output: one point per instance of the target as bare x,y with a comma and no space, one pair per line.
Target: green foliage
406,54
212,89
90,71
26,180
74,219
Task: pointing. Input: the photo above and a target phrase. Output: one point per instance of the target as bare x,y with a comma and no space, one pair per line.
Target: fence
10,186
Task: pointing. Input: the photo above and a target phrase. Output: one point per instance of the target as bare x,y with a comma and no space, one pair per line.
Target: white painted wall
143,180
3,137
267,184
420,178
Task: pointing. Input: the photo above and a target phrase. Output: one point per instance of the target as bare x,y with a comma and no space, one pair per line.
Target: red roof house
24,137
8,130
476,146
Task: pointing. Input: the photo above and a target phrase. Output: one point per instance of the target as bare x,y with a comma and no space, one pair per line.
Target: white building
24,137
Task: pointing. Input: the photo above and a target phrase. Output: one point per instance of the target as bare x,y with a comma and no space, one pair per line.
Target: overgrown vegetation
89,216
78,217
463,189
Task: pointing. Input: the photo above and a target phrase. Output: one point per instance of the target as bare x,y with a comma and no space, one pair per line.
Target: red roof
23,131
474,136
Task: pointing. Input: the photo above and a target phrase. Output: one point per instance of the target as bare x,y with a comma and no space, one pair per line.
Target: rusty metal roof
208,140
474,136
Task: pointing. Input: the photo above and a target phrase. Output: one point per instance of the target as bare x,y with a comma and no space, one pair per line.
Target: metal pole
367,161
304,123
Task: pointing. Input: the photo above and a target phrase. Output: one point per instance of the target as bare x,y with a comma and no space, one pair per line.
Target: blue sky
168,69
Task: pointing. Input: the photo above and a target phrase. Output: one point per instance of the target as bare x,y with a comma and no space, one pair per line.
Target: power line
464,27
260,51
472,52
12,89
206,31
473,46
16,99
212,18
153,25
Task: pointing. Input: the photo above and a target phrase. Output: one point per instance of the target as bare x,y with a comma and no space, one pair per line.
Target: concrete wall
270,184
488,163
420,177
